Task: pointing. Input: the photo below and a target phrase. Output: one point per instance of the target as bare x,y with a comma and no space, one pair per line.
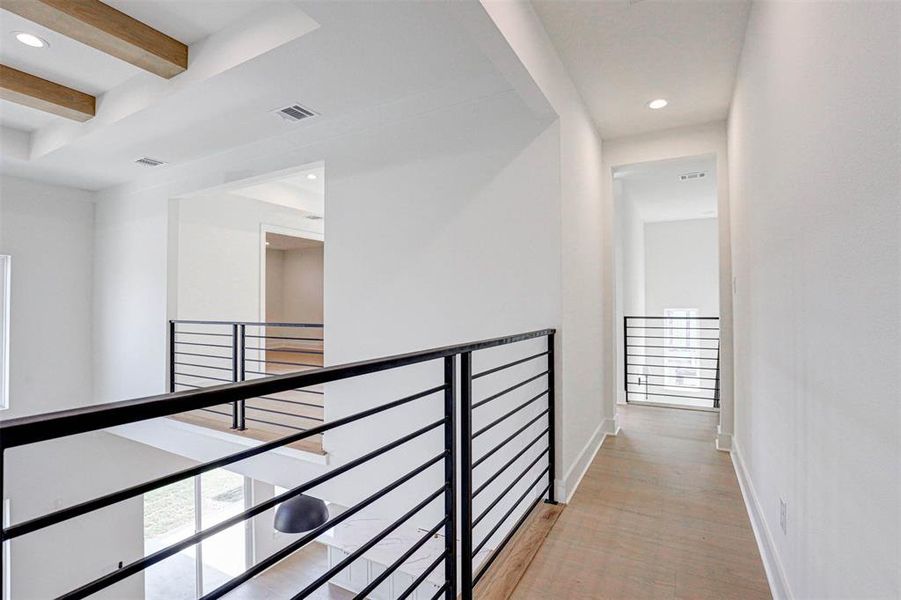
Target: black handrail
50,426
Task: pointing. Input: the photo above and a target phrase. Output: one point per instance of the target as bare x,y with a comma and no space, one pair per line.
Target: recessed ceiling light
30,39
312,176
657,104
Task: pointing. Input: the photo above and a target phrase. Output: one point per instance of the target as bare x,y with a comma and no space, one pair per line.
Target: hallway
659,514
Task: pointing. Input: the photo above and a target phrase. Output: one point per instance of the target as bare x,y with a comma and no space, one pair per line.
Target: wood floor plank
659,514
500,581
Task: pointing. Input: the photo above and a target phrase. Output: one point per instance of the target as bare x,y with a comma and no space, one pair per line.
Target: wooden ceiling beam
111,31
23,88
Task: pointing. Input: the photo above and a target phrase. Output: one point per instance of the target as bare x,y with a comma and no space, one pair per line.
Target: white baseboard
576,472
775,574
723,440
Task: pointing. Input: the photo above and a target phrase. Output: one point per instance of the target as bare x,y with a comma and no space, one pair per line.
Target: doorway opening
246,299
667,282
293,299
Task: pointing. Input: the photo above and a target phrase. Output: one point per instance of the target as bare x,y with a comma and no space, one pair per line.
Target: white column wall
814,145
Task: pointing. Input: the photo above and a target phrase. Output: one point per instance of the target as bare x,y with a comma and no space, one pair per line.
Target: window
681,356
5,281
177,511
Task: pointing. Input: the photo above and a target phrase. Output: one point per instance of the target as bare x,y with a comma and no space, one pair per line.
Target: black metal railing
506,453
673,359
208,353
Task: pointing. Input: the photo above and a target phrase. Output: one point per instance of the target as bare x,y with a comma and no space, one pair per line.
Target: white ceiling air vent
150,162
294,112
695,175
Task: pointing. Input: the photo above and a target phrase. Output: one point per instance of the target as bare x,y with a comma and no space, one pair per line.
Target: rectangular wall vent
149,162
695,175
294,112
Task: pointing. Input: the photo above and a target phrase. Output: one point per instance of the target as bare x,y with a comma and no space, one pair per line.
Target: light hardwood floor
659,514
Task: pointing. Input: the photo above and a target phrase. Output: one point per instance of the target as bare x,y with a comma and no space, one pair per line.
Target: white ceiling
624,53
295,190
189,21
657,193
357,64
278,241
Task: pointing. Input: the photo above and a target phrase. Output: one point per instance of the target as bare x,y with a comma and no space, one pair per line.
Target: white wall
302,290
220,240
585,333
275,269
814,145
681,266
697,140
52,475
130,300
48,231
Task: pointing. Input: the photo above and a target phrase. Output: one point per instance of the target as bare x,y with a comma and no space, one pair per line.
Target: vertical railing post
551,418
466,475
242,349
3,582
234,372
450,475
716,383
171,356
626,356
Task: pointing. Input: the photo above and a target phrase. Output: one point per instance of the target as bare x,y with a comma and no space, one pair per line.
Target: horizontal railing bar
203,366
200,376
322,579
177,332
672,328
217,412
510,364
283,337
291,427
281,412
151,559
198,354
512,508
289,350
440,591
688,387
671,347
509,414
250,323
669,395
418,581
510,437
672,357
48,426
483,568
508,390
279,362
673,337
142,488
313,534
675,318
509,487
297,402
500,471
674,366
206,345
664,375
364,593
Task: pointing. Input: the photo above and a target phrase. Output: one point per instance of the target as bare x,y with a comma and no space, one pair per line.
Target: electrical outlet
783,516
